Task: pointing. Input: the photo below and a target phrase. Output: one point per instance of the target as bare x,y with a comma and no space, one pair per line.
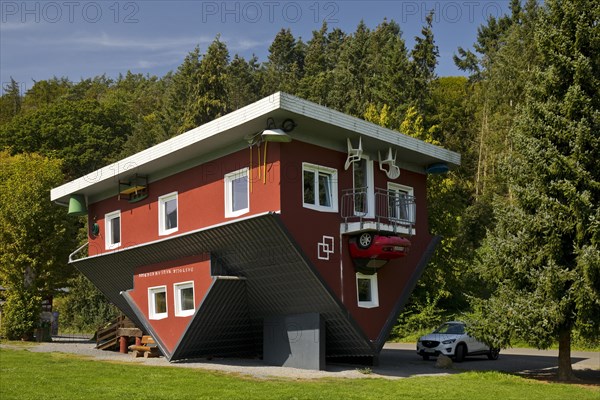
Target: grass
27,375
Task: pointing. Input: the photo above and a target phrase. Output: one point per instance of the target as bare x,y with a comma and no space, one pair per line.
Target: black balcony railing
392,208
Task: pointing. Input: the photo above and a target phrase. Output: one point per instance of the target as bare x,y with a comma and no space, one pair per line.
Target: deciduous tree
35,237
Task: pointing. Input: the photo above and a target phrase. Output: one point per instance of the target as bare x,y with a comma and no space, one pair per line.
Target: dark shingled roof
262,272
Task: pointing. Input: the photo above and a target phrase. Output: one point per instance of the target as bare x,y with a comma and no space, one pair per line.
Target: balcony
384,210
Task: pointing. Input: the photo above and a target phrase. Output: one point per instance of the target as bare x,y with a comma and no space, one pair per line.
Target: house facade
284,230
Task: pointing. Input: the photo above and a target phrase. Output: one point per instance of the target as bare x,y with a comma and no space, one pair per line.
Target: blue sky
82,39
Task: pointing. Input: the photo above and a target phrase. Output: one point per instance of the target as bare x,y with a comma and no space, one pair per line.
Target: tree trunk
565,370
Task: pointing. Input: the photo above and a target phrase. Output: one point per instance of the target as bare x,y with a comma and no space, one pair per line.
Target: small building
284,229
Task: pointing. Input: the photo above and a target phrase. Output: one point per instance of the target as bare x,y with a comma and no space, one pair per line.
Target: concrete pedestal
296,341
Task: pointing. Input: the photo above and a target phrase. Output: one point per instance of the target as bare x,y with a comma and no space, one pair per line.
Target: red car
371,246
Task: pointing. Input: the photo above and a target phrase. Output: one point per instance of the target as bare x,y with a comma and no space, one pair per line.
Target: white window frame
411,192
152,291
316,169
374,291
228,180
162,217
370,187
108,236
177,288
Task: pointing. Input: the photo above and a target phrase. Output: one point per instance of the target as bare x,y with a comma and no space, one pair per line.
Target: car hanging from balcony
371,251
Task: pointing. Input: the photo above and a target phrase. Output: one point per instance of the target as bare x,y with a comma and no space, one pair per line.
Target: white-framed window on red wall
401,204
366,290
184,299
168,218
319,188
112,228
157,302
237,193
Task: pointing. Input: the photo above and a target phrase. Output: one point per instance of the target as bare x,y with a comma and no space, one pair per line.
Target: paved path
402,358
398,360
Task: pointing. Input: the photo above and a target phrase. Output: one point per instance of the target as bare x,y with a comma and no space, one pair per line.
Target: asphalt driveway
401,359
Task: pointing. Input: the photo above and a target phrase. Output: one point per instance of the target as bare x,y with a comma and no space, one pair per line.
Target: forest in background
520,218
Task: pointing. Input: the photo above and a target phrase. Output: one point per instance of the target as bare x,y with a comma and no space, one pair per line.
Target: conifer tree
424,60
10,102
316,82
181,92
243,83
542,259
388,80
209,96
284,68
350,93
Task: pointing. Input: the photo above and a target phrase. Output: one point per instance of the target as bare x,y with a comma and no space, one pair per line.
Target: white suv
451,340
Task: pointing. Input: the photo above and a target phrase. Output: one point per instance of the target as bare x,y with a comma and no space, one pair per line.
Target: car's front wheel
365,240
493,354
461,352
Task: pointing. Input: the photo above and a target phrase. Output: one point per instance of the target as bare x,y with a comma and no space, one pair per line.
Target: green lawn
26,375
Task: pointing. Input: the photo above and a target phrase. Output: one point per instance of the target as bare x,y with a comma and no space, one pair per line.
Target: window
167,214
364,188
366,290
402,205
319,187
157,302
184,299
237,195
112,223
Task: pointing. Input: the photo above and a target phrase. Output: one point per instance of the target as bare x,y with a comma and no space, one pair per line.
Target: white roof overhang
315,124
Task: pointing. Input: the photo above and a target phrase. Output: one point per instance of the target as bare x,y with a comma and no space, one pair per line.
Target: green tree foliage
21,313
389,77
243,82
143,97
211,87
181,93
424,60
349,91
36,237
45,92
84,308
542,259
83,133
285,66
10,101
316,82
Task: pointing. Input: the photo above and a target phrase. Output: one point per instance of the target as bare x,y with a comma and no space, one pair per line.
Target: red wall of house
196,269
309,226
201,194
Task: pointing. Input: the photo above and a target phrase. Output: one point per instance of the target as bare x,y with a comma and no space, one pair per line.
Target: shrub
21,314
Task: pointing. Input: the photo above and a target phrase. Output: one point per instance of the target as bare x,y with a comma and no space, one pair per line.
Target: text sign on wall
170,271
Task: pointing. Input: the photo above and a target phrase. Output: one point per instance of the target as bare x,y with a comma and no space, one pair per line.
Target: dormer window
319,187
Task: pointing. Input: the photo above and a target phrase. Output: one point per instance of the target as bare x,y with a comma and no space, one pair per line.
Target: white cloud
105,40
9,26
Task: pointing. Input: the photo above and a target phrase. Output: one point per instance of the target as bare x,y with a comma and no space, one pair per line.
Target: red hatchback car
380,247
